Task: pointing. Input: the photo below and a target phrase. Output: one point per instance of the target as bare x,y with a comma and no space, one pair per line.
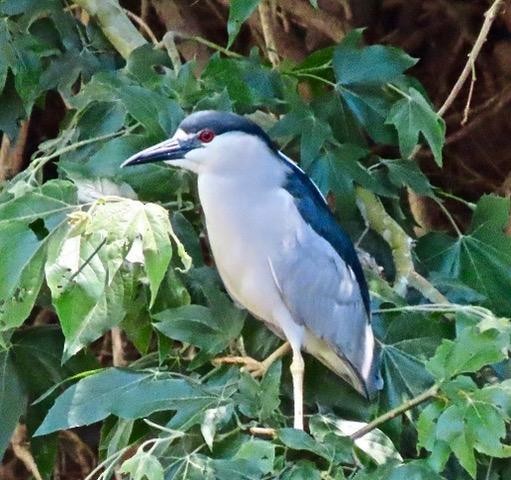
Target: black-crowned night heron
277,246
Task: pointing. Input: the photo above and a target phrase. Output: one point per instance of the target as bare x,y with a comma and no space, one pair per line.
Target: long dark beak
172,149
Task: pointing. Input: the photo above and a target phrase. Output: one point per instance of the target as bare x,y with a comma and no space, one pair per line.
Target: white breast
247,223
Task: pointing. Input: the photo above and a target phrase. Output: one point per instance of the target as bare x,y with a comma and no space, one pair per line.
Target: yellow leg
255,367
297,369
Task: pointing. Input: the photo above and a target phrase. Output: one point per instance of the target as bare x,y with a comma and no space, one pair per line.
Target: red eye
206,135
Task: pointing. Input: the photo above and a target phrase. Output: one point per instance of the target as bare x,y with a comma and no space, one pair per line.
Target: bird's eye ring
206,135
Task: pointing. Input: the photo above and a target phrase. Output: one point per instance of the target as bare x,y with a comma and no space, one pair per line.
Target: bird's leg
252,366
297,369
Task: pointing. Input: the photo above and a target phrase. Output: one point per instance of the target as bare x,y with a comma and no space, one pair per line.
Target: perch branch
404,407
381,222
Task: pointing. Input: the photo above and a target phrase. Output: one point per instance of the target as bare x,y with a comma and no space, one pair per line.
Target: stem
399,91
467,204
39,162
449,216
212,45
314,77
408,405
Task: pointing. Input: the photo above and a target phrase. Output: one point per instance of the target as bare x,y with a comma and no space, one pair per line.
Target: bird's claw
250,365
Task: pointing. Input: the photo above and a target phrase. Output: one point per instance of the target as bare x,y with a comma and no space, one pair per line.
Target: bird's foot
250,365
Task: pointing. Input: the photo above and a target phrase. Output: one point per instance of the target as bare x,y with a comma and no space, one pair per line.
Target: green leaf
408,342
249,83
85,265
259,399
213,418
299,440
86,289
269,391
414,470
38,352
143,465
313,131
375,65
209,328
412,116
22,271
302,470
12,399
474,419
374,444
480,258
472,350
27,224
407,173
95,397
159,114
340,169
239,11
362,75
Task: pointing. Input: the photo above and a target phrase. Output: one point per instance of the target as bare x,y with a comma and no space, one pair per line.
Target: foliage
97,244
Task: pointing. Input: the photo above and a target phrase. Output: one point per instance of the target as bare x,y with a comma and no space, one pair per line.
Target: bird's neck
242,163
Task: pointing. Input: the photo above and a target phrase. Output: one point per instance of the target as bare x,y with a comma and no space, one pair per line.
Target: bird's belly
244,233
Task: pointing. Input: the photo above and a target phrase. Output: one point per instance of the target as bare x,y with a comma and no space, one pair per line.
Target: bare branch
404,407
269,39
490,16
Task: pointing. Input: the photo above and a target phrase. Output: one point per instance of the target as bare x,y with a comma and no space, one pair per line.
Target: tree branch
469,67
404,407
269,39
380,221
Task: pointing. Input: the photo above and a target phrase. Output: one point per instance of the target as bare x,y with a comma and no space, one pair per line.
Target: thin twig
143,25
404,407
209,44
482,114
466,110
490,16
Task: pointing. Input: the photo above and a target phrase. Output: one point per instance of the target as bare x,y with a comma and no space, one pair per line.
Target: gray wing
322,293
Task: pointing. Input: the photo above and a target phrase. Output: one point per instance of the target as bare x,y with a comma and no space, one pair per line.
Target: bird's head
203,138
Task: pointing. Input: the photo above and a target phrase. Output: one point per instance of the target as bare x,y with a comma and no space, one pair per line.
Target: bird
277,246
